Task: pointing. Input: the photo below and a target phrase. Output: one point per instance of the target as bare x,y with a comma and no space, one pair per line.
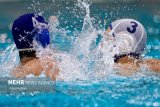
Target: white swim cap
132,35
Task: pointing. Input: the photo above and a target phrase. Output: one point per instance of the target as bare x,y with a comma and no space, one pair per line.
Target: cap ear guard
43,38
125,42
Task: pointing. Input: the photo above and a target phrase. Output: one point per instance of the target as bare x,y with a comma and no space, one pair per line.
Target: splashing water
84,61
86,70
82,58
8,60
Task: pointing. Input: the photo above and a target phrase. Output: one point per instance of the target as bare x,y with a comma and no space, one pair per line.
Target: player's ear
107,31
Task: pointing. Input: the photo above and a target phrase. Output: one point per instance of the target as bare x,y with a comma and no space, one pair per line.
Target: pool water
115,91
80,22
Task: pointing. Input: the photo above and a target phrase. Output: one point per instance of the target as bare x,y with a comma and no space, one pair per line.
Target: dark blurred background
71,16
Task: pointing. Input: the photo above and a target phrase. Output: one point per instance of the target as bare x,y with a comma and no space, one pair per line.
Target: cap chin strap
26,49
133,55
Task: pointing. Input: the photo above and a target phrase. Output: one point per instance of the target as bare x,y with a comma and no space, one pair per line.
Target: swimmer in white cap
26,29
133,37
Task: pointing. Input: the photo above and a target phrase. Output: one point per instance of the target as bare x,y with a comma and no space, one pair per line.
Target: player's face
108,35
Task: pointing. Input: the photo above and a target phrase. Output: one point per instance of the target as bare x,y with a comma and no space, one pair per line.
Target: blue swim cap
132,34
29,27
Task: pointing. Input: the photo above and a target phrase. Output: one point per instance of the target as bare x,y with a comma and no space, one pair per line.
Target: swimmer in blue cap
27,29
131,38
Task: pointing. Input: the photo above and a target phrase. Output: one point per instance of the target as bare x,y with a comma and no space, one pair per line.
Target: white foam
81,62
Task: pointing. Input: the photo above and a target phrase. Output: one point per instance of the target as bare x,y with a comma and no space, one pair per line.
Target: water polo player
27,29
133,37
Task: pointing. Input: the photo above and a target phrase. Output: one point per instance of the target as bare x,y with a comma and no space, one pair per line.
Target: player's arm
153,64
19,72
52,72
50,67
31,67
126,69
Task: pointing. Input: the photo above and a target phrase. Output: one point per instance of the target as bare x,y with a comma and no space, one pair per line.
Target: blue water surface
115,91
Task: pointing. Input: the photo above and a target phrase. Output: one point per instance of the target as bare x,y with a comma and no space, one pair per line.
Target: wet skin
36,66
129,66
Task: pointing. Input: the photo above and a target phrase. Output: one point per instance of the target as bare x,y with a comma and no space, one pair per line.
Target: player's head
29,28
131,34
